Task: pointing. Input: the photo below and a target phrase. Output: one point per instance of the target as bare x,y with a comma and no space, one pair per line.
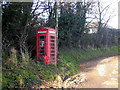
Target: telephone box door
41,47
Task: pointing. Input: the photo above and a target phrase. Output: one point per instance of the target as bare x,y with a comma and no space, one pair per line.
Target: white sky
114,20
113,11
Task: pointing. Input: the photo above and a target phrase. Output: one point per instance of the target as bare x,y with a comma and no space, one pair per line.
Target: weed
31,73
13,56
25,58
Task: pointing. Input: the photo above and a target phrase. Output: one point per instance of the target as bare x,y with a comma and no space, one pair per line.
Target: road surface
98,73
101,74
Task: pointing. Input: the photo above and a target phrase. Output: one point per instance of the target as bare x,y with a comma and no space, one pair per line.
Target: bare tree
56,21
102,14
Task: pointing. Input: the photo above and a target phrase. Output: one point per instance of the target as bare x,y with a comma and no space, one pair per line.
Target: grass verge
32,74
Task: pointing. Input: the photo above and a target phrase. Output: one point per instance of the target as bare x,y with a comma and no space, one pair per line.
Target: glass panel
52,44
52,47
52,51
41,54
42,43
52,40
42,37
52,58
52,37
41,47
41,40
52,54
41,51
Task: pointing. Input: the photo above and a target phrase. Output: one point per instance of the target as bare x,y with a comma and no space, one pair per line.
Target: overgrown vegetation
25,75
21,20
32,73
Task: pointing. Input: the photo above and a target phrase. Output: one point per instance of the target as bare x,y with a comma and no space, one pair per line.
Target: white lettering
51,32
42,31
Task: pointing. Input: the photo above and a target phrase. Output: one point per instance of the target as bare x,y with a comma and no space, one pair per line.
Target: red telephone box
46,45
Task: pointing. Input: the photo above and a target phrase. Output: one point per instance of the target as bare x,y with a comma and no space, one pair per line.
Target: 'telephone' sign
42,31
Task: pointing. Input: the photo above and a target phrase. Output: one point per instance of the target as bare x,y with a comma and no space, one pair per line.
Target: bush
30,74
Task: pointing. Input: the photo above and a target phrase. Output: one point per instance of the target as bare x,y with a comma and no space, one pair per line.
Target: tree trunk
56,23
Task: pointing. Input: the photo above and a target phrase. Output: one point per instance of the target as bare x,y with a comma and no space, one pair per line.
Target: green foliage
33,73
0,79
13,25
68,59
26,75
80,54
4,82
21,25
66,25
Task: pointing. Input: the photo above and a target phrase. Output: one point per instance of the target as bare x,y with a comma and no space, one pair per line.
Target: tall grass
13,56
27,75
80,54
25,58
68,59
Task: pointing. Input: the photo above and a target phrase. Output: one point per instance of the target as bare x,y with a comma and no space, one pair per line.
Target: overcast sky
114,20
113,10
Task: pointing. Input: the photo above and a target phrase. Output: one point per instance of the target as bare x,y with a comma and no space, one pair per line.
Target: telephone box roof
46,28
